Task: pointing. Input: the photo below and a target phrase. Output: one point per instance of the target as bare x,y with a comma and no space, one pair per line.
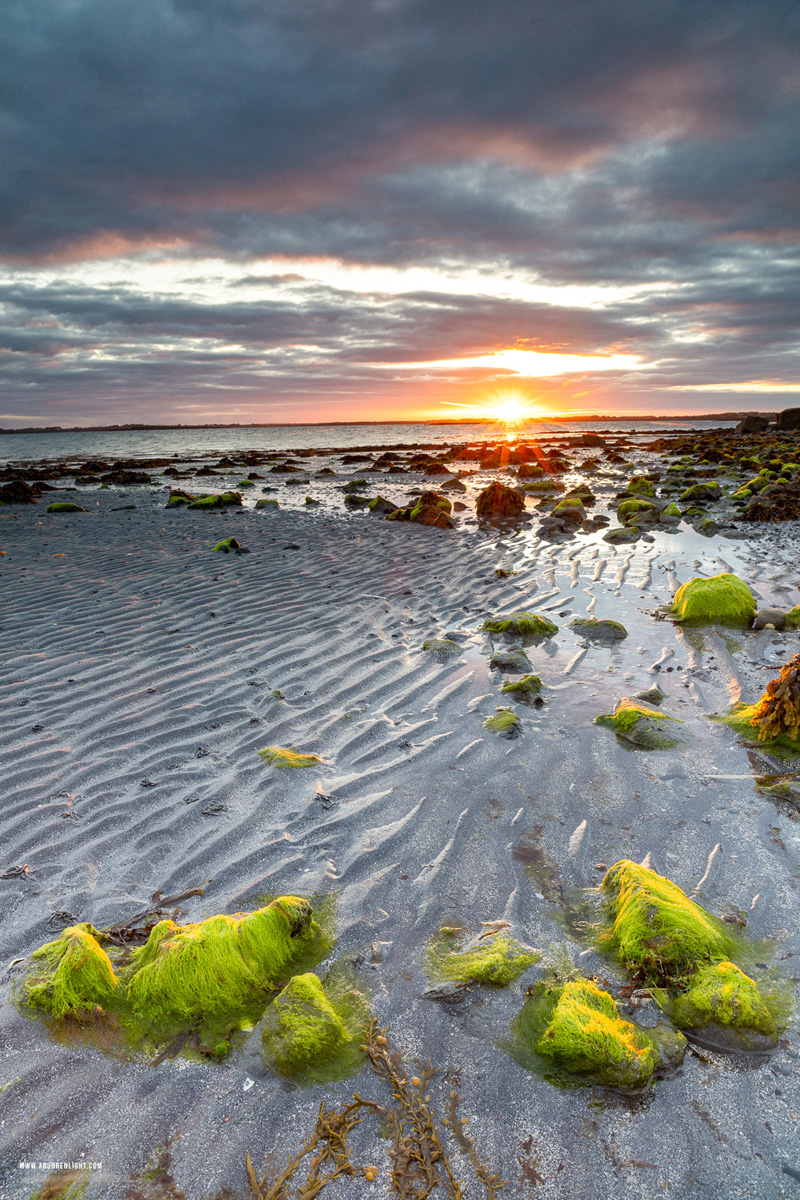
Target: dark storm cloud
588,141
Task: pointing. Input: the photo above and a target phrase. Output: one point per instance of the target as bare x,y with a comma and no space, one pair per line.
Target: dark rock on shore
500,503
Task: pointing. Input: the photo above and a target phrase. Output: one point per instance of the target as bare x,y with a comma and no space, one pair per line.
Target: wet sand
141,673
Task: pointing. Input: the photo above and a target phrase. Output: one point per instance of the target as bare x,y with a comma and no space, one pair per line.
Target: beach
141,674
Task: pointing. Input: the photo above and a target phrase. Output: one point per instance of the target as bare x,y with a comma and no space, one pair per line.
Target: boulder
789,418
754,423
499,503
644,728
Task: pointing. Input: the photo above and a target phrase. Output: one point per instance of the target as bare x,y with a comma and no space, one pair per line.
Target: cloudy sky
291,210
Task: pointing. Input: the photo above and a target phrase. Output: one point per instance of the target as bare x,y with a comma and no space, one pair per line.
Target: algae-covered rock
642,727
510,658
793,617
497,960
639,486
315,1029
504,721
637,510
62,506
723,599
227,545
719,998
700,492
599,631
269,503
671,510
71,975
541,487
621,534
283,757
380,505
570,509
214,500
499,503
219,971
655,928
744,720
527,624
441,648
245,483
576,1029
525,690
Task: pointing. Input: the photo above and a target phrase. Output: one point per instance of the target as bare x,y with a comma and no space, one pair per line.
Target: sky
323,210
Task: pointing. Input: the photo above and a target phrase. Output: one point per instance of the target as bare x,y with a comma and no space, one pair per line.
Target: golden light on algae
71,975
497,959
655,927
775,720
720,999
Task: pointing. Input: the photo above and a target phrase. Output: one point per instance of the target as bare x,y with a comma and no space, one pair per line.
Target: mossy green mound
655,927
599,631
699,493
221,500
60,506
642,727
496,960
639,486
723,599
576,1029
216,974
793,617
525,690
527,624
542,486
245,483
227,545
720,995
741,720
71,975
314,1031
284,758
267,504
633,510
441,648
504,721
621,534
671,510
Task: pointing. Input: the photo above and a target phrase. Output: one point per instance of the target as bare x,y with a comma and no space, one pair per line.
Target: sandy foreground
140,675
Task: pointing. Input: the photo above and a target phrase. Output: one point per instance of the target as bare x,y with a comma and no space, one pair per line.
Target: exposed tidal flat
143,672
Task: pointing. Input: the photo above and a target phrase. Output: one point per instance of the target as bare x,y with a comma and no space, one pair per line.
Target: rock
64,507
526,624
459,506
789,418
430,509
636,511
381,505
17,492
526,690
653,695
267,504
436,468
728,1008
511,659
589,439
641,486
699,492
530,471
570,510
753,424
499,503
497,960
441,648
770,618
723,599
454,485
599,631
505,721
576,1028
620,534
644,728
351,500
230,545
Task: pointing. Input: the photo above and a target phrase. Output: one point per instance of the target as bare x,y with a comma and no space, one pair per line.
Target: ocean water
189,444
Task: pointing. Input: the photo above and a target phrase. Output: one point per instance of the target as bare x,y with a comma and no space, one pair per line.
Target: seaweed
71,975
494,958
527,624
724,599
720,994
314,1030
284,757
504,721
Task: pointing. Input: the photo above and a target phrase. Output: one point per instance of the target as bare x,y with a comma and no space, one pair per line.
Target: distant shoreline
724,416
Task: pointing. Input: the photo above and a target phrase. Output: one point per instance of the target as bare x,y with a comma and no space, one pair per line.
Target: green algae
572,1033
441,648
671,510
496,960
723,599
742,720
71,975
643,727
267,504
527,624
215,500
639,486
570,505
599,631
284,758
315,1029
226,545
215,975
720,995
525,690
622,533
510,658
793,617
504,721
64,1185
655,929
62,506
245,483
631,509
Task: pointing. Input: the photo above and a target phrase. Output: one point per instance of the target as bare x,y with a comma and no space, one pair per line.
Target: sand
140,675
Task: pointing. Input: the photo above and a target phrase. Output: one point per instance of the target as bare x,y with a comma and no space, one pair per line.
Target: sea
193,444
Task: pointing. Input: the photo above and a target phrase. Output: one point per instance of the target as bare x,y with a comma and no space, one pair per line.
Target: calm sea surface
187,444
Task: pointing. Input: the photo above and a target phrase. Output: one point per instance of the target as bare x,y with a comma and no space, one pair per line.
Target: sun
511,410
